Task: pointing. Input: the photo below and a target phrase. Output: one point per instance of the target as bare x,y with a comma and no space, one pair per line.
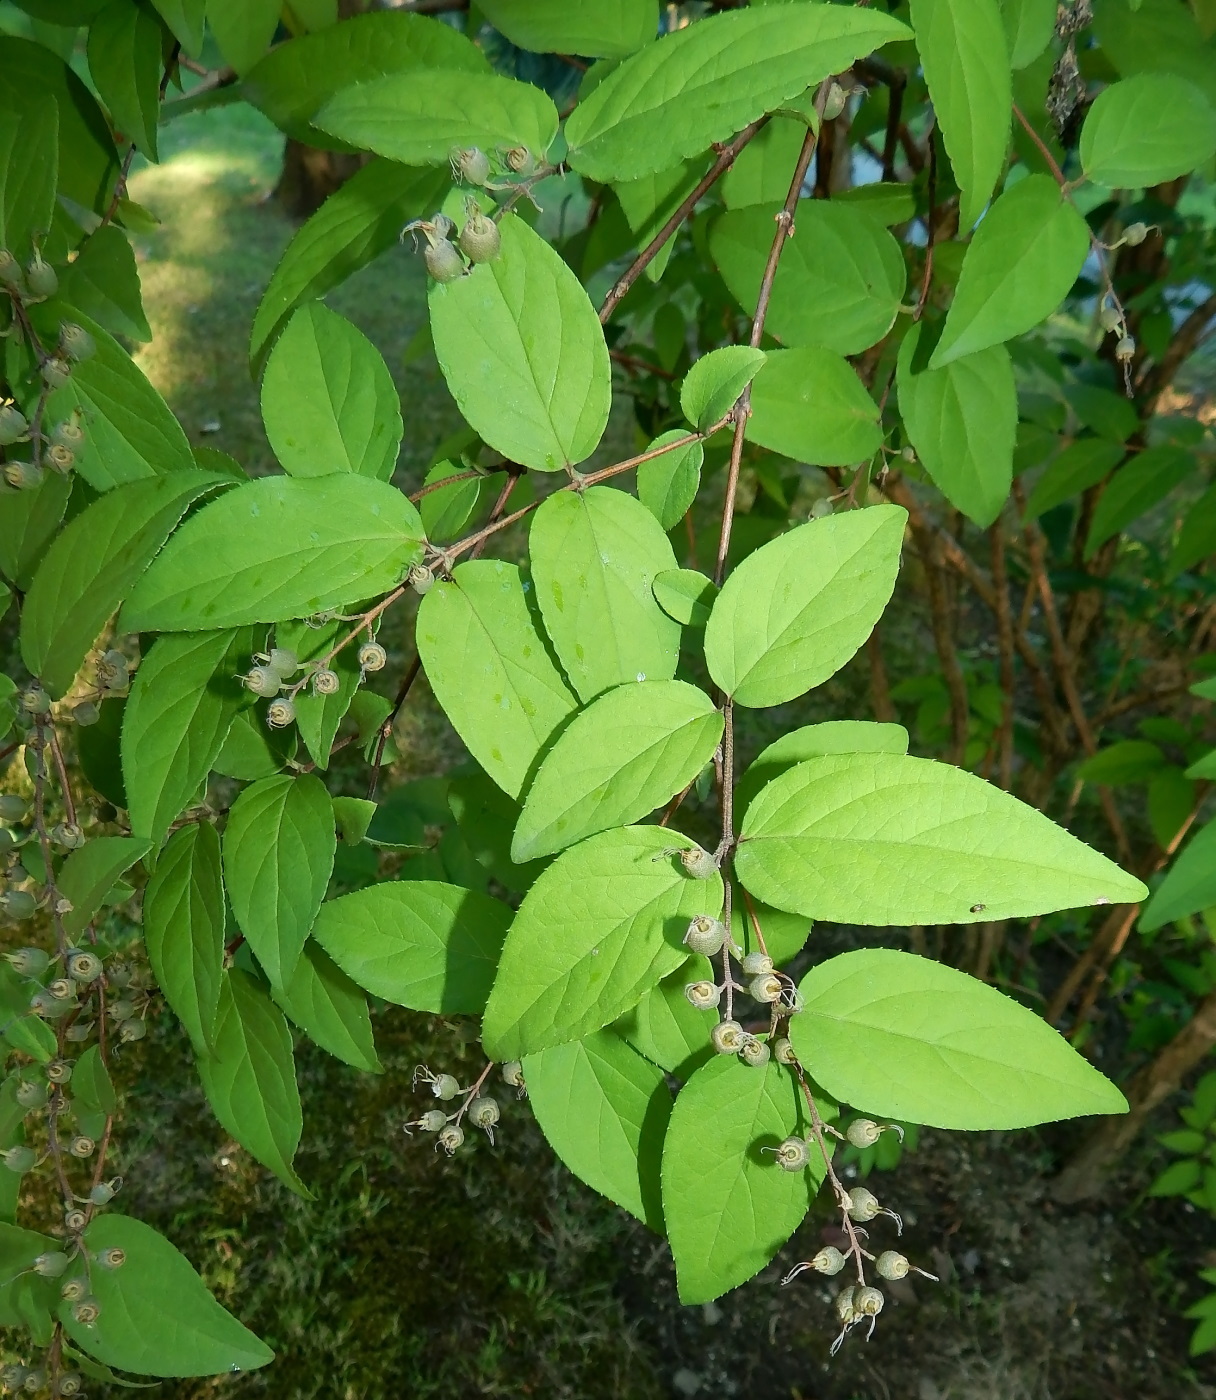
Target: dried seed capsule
84,966
23,476
326,682
891,1264
263,680
1110,318
372,657
18,904
34,1382
12,807
280,713
513,1074
69,1383
79,1032
113,673
13,424
10,270
727,1037
1125,349
705,935
698,863
132,1031
47,1006
432,1121
420,579
75,1289
69,433
703,995
1135,234
41,278
443,261
35,700
451,1138
67,836
18,1159
835,102
87,1311
112,1258
122,1009
75,1221
105,1191
483,1112
765,988
828,1261
82,1146
62,988
445,1086
28,962
75,343
783,1051
51,1264
756,963
793,1154
862,1132
754,1052
32,1093
470,164
844,1306
863,1205
520,161
58,1071
85,713
56,372
867,1302
480,240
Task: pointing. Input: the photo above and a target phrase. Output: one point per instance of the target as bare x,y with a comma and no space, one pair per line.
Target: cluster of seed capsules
58,448
481,1110
271,677
62,985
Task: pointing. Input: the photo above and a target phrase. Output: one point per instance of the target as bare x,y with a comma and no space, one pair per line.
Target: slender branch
416,496
386,728
930,229
726,158
1004,633
895,104
1052,165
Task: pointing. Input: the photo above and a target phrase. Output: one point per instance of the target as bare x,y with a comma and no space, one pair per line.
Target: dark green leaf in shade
486,817
124,51
1135,488
1189,885
90,873
103,283
1081,465
665,1027
27,525
685,595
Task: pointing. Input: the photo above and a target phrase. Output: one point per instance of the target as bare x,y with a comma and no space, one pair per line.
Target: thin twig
1004,638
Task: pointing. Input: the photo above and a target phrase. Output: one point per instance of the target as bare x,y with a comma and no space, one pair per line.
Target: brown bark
310,176
1086,1173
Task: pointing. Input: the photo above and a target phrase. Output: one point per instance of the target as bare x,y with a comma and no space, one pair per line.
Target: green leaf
354,226
89,874
600,927
278,856
447,511
519,334
29,130
183,701
28,523
595,555
185,20
666,1028
833,736
417,943
667,485
810,405
1197,538
1110,415
729,1207
129,430
1021,264
1145,130
610,29
297,78
962,420
243,29
124,51
330,1009
26,1299
480,624
103,283
1177,1179
91,1083
883,839
707,81
328,400
1189,884
838,284
1171,801
1134,489
353,816
785,934
93,564
604,1110
486,817
685,595
615,762
278,548
319,716
417,118
156,1316
1029,27
250,1080
908,1038
798,608
184,928
763,169
1128,761
649,202
1204,767
1157,35
966,62
26,1033
712,386
1081,465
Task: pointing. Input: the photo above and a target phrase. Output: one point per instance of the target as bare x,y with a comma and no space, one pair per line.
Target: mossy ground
496,1273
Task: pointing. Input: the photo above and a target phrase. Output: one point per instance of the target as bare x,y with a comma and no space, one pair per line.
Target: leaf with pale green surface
798,608
278,856
184,924
1029,28
616,761
417,943
94,564
124,52
1145,130
604,1109
328,401
1189,885
712,386
649,202
884,839
1148,477
89,874
666,1028
839,281
417,118
330,1009
1021,264
354,226
243,29
250,1079
962,421
600,927
294,80
904,1037
667,485
523,353
278,548
183,701
91,1083
728,1206
810,405
608,29
707,81
479,625
595,555
185,19
966,64
833,736
684,594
